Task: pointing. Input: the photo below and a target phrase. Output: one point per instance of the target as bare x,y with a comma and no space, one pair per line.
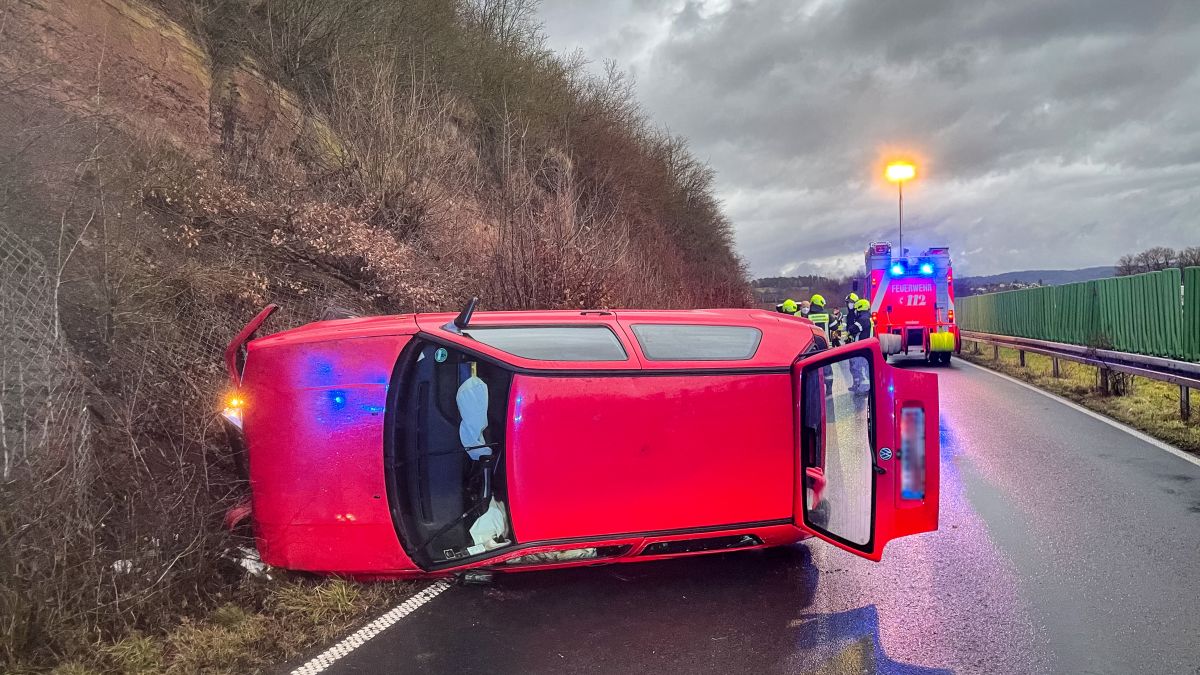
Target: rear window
687,342
552,343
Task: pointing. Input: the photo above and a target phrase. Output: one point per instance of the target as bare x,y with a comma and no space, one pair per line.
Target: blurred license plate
912,453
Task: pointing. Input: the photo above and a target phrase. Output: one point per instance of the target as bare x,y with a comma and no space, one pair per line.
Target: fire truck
912,299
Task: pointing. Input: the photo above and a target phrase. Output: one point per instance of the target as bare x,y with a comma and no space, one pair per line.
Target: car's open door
867,436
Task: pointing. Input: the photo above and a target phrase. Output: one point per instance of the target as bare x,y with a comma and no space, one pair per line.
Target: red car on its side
431,444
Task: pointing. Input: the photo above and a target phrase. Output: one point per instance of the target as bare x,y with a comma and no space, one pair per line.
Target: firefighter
858,324
837,328
859,327
817,313
850,300
788,306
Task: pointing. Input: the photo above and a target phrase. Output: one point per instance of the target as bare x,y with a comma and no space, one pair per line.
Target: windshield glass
448,466
688,342
552,343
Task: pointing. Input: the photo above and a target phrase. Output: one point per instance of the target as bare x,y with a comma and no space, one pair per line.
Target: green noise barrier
1155,314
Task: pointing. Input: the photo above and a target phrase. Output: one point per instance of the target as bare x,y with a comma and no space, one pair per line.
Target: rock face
134,65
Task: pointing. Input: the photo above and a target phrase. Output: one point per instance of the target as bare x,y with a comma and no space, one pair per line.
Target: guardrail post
1021,357
1185,402
995,352
1054,367
1102,380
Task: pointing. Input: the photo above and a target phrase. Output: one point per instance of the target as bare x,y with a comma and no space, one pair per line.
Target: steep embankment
167,168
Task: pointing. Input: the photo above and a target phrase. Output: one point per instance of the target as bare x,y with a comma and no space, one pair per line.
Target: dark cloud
1052,133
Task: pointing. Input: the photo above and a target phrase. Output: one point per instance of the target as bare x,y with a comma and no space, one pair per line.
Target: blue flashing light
897,269
926,268
518,414
338,399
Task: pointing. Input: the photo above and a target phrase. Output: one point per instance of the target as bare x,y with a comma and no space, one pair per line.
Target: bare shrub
552,250
400,155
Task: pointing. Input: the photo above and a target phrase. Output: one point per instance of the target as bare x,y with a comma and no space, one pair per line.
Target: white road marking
1092,413
360,637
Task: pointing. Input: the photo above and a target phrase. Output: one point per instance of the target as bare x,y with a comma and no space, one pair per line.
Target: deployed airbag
472,399
490,531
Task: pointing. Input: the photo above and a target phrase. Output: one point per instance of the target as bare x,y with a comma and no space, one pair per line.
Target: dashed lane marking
1091,413
360,637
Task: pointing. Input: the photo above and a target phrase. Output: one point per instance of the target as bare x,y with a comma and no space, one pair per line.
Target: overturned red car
435,444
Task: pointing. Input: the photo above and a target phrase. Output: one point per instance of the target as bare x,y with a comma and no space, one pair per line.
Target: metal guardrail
1182,373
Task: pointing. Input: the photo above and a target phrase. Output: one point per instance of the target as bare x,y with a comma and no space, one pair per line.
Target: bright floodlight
898,172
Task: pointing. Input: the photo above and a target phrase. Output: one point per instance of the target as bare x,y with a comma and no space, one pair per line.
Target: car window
690,342
552,343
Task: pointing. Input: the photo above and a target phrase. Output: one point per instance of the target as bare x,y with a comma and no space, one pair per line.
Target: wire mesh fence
42,392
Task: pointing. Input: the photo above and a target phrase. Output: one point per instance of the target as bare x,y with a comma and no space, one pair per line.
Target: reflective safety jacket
818,315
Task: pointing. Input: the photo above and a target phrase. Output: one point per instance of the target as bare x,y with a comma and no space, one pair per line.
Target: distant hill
964,286
1042,277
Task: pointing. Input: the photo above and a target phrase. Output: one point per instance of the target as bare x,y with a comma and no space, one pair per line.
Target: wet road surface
1065,545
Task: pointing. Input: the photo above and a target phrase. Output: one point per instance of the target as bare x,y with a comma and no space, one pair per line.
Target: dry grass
1149,405
294,617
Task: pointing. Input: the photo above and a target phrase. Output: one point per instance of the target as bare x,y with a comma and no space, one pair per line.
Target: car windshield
447,464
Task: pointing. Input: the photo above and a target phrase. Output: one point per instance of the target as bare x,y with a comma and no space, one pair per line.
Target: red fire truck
912,298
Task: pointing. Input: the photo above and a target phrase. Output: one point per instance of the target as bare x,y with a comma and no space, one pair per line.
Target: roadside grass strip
360,637
1098,415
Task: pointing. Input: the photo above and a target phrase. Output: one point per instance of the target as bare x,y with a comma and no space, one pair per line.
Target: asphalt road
1066,545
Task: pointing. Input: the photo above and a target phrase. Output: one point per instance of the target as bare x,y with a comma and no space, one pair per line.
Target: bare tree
1156,259
1190,257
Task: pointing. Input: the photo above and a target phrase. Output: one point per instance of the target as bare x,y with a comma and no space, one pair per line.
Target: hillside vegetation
167,168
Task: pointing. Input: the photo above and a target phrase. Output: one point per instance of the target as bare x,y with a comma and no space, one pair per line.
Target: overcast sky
1049,134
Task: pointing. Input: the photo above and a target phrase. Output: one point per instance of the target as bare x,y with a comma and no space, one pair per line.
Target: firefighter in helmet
858,324
859,327
818,314
788,306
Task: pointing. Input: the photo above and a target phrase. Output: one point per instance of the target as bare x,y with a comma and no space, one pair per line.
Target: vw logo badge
885,454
